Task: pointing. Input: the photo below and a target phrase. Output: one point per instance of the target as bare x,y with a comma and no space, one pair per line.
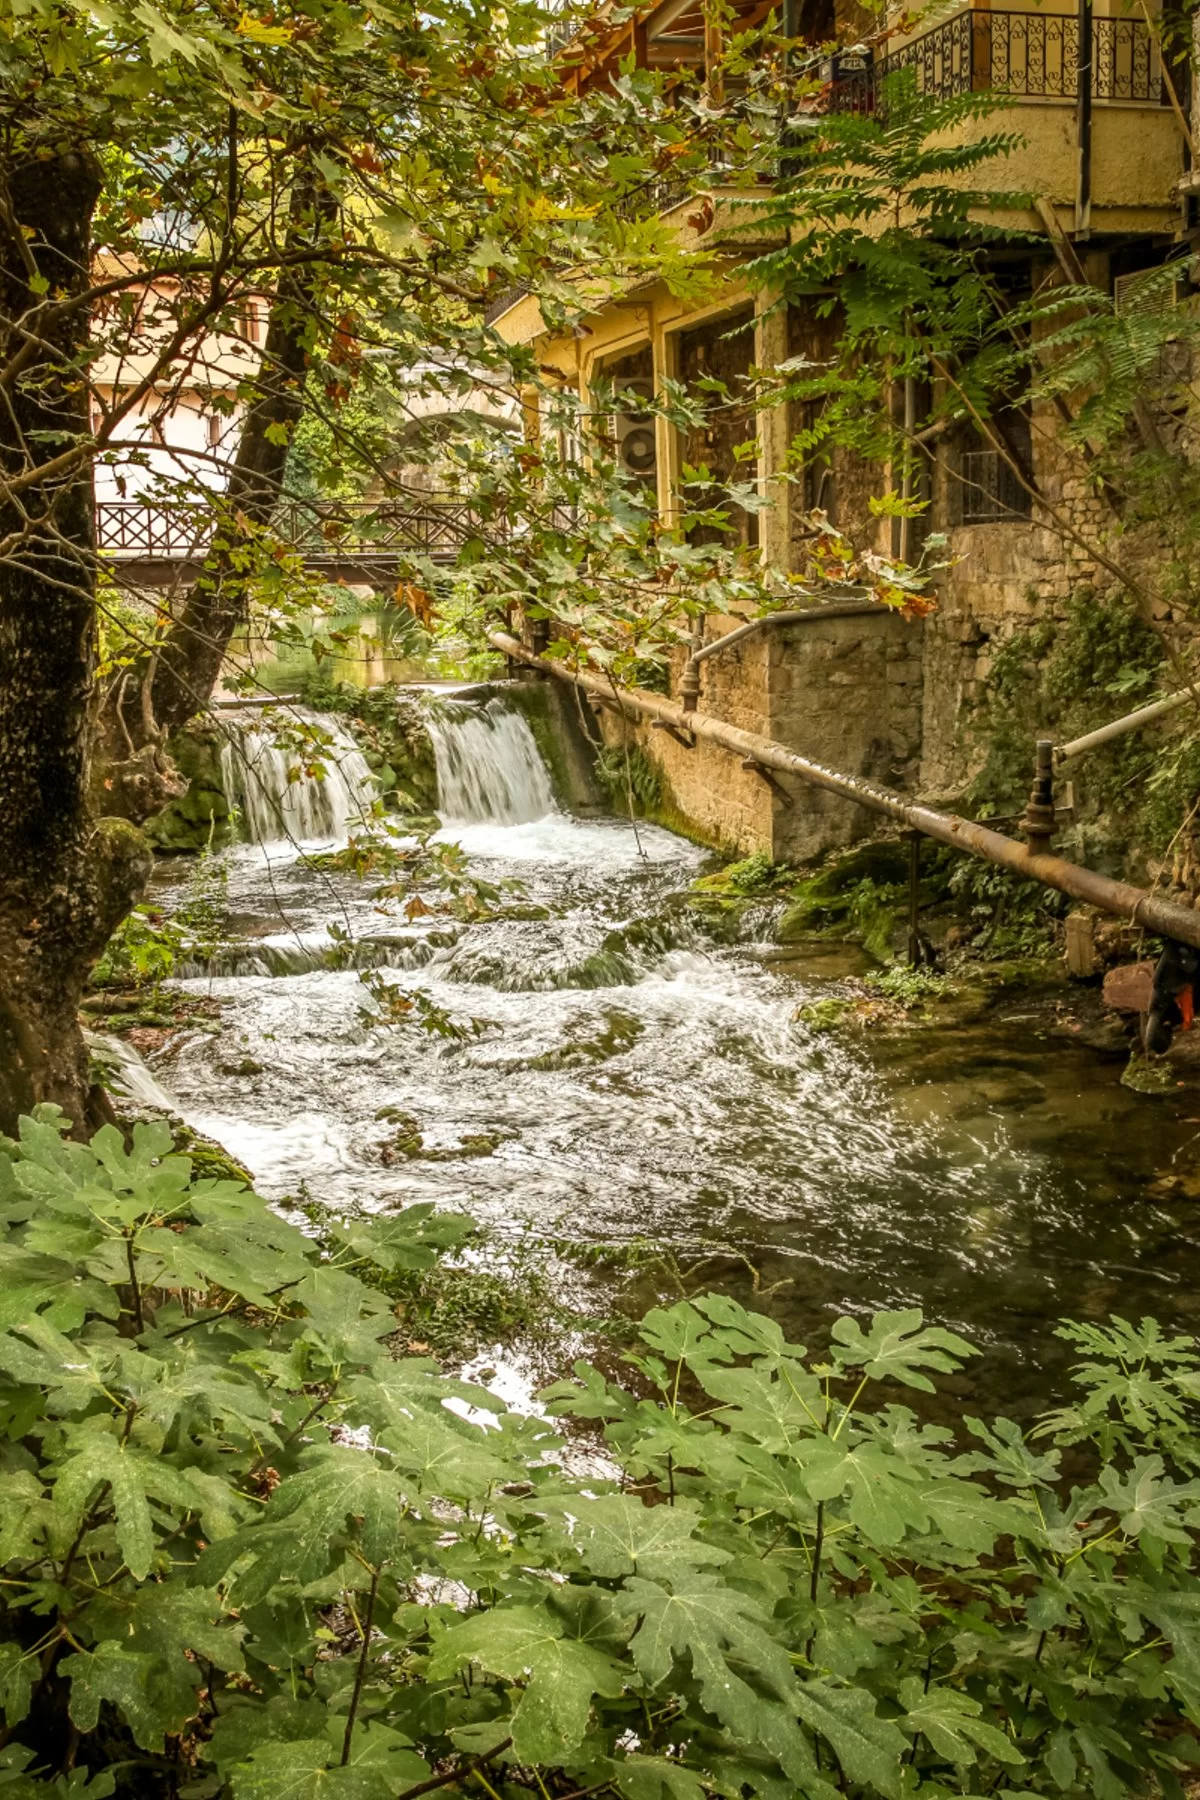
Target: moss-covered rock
390,726
200,819
860,895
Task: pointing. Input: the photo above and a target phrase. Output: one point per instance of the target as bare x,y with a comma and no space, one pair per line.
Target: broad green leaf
307,1769
657,1778
1146,1501
884,1504
869,1748
618,1535
897,1348
19,1669
132,1682
951,1722
558,1675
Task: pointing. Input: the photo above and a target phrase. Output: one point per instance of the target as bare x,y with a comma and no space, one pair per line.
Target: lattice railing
1034,55
153,530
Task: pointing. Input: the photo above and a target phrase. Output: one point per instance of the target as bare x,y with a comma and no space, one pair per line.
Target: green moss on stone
200,819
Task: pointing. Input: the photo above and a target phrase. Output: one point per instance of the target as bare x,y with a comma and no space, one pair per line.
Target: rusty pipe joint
1037,826
689,686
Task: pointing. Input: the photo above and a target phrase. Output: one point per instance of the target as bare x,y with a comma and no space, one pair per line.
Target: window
990,491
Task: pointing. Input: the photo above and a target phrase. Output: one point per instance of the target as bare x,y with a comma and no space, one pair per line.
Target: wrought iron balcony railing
1033,55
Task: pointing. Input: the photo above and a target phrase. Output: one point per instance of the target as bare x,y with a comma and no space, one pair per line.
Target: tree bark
66,876
189,661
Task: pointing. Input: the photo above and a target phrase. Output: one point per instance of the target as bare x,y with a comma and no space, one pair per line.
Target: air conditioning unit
1150,293
633,433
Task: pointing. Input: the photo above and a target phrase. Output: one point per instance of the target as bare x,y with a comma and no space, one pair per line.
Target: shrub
248,1550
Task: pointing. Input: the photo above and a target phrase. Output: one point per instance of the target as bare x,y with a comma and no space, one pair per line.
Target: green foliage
755,874
856,897
624,770
1013,917
147,945
882,217
907,987
247,1545
480,1290
142,952
824,1015
1064,677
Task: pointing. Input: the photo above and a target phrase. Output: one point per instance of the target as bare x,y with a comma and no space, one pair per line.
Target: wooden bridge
154,543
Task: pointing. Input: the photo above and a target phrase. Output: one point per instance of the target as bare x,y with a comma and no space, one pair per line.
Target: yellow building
1102,156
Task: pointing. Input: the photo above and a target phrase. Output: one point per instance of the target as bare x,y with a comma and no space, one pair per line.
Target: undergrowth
477,1291
250,1550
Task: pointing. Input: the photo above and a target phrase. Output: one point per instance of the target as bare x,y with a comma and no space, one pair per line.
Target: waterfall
267,777
488,765
126,1074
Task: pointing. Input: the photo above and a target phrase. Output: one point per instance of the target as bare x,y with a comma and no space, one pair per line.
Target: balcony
1030,55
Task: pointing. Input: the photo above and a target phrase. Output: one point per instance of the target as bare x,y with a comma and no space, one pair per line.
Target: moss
532,700
210,1161
755,874
390,729
625,771
824,1015
861,895
1143,1075
200,818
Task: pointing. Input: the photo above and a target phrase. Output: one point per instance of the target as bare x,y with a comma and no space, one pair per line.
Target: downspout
1120,898
1083,121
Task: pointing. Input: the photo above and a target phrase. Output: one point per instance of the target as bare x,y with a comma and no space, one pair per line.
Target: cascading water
488,765
279,799
633,1065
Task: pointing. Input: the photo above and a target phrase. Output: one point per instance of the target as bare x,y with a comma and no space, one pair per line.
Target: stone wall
846,692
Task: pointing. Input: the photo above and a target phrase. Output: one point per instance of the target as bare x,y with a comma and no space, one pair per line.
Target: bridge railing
337,530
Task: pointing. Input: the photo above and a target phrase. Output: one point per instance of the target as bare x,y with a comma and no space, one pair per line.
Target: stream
634,1080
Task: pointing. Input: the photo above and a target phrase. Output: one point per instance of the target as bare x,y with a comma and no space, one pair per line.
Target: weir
280,799
489,768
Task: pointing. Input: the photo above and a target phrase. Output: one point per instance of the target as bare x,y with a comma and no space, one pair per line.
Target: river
635,1080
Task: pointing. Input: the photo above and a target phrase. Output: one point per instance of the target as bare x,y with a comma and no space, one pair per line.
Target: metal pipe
1104,734
1085,41
1118,897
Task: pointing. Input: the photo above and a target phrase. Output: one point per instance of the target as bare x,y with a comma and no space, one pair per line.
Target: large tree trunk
189,661
66,878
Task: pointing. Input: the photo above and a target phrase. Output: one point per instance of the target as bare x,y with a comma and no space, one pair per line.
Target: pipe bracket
772,780
680,733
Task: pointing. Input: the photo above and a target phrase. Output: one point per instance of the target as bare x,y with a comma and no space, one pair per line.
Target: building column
663,348
775,523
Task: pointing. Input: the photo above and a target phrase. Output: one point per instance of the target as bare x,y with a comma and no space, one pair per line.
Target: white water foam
489,768
280,800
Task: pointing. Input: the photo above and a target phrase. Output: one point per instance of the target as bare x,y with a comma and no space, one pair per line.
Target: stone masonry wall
846,692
